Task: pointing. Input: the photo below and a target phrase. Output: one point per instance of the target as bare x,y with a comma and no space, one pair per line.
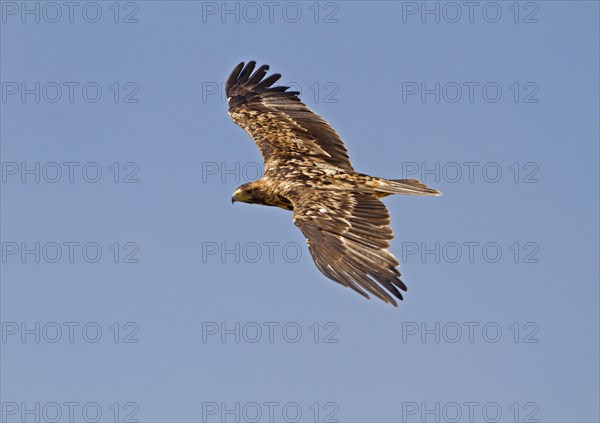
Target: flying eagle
307,170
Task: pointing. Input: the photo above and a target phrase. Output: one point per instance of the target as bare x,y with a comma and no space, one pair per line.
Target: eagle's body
307,170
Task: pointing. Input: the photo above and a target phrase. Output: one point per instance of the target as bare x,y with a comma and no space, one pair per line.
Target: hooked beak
236,196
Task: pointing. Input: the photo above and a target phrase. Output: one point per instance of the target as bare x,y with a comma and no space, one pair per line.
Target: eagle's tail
387,187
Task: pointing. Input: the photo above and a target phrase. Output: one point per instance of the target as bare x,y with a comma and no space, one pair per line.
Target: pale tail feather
404,186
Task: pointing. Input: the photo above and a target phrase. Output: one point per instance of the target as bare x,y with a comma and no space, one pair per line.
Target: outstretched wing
280,124
348,234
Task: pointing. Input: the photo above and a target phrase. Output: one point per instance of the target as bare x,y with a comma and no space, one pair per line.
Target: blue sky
131,287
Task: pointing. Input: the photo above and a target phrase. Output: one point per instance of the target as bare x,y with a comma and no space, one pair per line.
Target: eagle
307,170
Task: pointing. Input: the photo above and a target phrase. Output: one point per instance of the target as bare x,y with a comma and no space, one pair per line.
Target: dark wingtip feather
270,80
400,284
258,75
258,82
243,78
233,77
239,75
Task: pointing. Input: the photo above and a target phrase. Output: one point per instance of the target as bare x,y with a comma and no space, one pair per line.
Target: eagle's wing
280,124
348,234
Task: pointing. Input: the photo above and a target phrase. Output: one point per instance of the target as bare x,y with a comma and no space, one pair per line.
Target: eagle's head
255,193
250,192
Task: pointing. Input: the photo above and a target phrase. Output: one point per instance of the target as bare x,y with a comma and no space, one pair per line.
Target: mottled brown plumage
307,170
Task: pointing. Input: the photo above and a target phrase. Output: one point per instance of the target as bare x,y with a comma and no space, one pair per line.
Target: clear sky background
501,315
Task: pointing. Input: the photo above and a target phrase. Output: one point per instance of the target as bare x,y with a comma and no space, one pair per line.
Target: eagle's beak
236,196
